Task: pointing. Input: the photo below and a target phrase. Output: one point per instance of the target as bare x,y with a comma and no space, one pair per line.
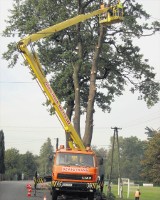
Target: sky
27,124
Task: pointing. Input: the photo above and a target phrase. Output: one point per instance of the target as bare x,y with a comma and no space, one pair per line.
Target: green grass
147,193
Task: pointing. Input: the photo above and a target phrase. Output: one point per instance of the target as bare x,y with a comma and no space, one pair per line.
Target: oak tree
88,64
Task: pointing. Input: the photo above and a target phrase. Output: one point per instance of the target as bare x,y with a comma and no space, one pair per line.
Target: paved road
16,190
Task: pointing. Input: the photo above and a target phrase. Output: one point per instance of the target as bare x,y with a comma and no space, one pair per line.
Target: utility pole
115,138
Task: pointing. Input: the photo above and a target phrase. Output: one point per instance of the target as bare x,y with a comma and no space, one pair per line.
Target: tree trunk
69,112
92,90
76,119
77,67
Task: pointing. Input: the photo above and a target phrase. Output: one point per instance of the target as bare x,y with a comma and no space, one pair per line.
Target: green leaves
131,154
12,163
45,164
59,52
12,54
151,161
74,51
2,151
16,164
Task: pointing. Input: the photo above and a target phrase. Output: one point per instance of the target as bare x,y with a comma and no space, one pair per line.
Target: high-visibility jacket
137,194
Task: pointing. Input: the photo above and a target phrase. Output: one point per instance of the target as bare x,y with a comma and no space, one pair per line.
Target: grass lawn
147,193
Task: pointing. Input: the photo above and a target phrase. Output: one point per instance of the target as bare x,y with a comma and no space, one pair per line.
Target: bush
110,196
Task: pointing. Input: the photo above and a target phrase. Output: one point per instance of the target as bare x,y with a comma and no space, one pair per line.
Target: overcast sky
26,122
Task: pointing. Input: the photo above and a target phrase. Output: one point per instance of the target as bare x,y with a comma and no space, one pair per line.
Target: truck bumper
70,187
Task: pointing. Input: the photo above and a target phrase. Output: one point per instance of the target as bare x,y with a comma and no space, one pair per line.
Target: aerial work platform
113,15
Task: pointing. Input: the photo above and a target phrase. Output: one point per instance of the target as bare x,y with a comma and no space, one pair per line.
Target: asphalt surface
16,190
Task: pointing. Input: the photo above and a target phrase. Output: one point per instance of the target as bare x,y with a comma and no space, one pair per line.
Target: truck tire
54,195
91,196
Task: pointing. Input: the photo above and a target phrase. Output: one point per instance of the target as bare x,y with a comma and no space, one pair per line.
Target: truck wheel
54,195
91,196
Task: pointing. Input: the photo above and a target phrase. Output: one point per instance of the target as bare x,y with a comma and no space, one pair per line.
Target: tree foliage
112,166
12,163
150,132
151,161
131,154
28,165
139,160
101,154
18,164
45,161
87,63
2,153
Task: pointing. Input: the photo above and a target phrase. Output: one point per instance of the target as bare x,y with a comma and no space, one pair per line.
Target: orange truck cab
74,173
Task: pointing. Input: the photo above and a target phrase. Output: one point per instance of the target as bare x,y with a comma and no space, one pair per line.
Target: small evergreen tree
45,163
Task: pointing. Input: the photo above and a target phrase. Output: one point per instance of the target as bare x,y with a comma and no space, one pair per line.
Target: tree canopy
139,160
28,164
18,164
132,152
12,163
45,159
88,63
150,132
151,161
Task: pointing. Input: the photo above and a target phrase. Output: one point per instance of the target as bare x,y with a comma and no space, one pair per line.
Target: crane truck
75,169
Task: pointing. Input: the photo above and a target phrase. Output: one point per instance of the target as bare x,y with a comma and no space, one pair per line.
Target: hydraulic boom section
36,68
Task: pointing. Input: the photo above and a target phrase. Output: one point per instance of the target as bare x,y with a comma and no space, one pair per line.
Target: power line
17,82
130,124
139,123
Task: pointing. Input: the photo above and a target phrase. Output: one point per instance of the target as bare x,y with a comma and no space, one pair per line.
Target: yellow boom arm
36,68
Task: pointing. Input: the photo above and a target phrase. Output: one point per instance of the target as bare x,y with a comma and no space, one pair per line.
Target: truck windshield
70,159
